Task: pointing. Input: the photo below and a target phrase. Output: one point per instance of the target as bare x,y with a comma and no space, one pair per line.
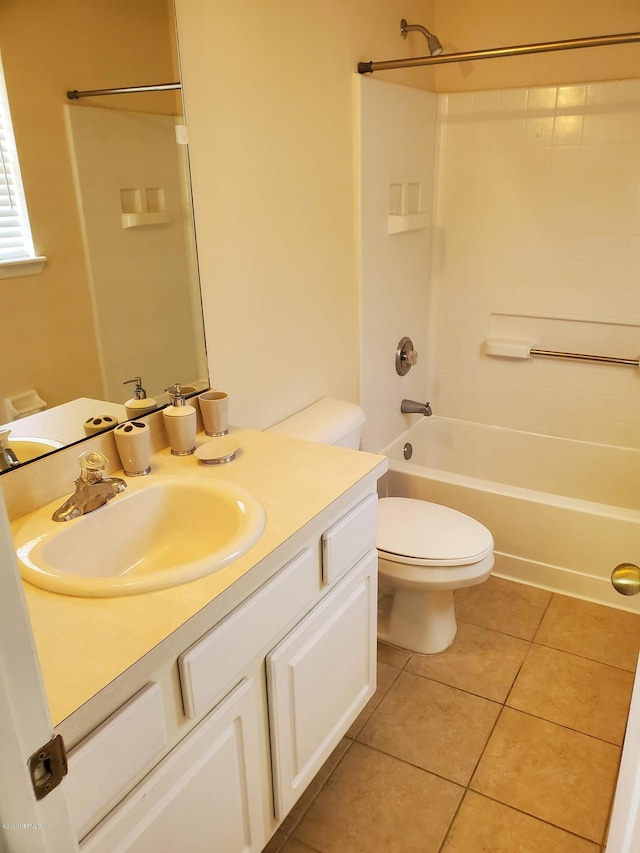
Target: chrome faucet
8,458
411,407
93,490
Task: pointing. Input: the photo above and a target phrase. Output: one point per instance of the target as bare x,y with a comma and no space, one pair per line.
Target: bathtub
563,513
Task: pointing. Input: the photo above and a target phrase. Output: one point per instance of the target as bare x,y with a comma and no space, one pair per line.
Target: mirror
106,181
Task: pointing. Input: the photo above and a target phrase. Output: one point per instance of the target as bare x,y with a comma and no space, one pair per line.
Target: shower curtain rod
495,52
160,87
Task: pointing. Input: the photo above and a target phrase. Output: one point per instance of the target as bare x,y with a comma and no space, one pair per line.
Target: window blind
15,233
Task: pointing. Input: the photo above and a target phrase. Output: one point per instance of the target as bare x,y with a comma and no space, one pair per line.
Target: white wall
269,106
397,148
539,214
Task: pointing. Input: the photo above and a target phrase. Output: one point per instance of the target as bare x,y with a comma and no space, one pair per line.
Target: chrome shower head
433,42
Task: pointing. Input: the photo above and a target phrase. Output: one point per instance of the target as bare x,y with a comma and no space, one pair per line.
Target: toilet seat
419,533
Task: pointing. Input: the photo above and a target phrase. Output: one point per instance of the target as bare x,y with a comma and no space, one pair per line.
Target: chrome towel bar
579,356
523,349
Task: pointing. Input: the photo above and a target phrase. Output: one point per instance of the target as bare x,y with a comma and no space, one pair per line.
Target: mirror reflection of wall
119,295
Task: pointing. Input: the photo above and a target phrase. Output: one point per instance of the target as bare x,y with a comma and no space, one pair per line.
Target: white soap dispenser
139,404
180,423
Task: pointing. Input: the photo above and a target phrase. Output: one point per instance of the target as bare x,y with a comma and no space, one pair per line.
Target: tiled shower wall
397,154
537,236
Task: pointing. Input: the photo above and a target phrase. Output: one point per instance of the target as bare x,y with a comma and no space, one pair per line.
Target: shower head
433,42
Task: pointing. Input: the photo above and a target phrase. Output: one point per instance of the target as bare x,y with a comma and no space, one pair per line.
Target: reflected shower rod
496,52
74,94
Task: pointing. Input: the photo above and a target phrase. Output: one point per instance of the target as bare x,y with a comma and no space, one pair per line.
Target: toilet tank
329,421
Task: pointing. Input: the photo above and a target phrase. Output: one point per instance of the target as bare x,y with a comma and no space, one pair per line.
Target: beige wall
269,103
468,25
47,47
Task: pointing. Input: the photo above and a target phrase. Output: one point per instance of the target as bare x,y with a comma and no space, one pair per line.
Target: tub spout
411,407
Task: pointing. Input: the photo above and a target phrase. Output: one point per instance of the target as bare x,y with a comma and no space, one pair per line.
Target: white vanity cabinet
204,796
266,694
319,678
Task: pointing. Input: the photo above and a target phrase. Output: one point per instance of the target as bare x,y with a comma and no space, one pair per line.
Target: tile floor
508,742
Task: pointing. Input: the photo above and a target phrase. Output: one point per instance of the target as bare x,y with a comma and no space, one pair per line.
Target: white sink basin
158,533
31,448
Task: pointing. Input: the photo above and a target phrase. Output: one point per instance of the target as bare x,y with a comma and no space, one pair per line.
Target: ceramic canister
133,440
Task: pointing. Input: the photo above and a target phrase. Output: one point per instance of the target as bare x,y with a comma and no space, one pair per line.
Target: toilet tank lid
426,531
326,421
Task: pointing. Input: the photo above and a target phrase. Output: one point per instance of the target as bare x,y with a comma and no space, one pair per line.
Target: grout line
496,630
411,764
584,657
553,595
562,726
513,683
304,811
453,820
455,687
484,748
535,817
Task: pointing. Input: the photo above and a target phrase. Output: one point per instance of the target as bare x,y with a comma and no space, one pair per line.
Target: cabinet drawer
112,756
210,666
348,539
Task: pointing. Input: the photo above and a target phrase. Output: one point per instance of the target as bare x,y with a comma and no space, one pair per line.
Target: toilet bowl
425,552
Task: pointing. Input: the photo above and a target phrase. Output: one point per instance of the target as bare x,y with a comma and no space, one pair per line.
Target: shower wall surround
537,235
397,153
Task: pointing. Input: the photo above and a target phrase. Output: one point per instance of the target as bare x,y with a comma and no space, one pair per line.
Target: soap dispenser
180,422
139,404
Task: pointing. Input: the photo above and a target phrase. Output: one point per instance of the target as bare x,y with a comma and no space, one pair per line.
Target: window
17,254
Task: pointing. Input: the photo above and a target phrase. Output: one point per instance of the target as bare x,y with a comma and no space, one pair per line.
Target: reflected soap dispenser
139,404
180,423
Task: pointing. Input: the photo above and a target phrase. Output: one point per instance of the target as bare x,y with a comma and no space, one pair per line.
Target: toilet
425,550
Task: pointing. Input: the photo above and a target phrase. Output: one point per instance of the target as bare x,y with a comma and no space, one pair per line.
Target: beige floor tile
296,813
484,826
392,655
295,846
480,660
558,775
591,630
575,692
432,725
373,802
386,676
506,606
276,843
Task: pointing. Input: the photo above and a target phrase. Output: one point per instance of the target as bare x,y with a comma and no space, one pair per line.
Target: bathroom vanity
195,716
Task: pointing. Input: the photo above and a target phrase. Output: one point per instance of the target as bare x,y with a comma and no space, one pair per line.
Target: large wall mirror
107,187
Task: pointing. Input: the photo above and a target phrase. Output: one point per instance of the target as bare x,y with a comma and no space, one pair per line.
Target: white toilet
425,551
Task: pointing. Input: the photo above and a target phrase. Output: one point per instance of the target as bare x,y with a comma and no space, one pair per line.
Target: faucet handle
406,356
92,466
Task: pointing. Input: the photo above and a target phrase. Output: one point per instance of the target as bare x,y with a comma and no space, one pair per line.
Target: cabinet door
204,797
319,678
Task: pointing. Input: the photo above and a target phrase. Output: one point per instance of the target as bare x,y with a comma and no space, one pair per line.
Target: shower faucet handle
406,356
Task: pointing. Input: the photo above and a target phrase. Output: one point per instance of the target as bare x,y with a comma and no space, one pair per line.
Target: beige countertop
84,644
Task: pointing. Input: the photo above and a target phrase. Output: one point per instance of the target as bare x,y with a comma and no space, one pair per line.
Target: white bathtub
563,513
